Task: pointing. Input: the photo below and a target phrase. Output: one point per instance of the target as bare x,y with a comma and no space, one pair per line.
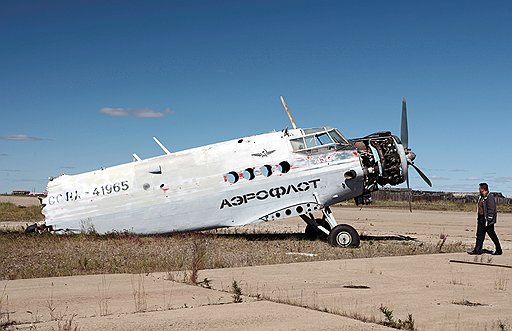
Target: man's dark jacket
490,213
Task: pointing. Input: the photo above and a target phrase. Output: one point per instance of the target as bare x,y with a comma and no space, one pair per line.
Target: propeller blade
404,131
410,194
422,175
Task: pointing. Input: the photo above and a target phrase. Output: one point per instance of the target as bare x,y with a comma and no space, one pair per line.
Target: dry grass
9,212
30,256
428,205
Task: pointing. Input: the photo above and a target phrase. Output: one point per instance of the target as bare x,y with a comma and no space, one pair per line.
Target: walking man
486,219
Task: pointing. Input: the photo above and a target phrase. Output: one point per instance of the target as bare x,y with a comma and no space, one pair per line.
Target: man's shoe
497,253
474,253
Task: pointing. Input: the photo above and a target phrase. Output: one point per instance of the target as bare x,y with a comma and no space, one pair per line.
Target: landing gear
344,235
312,232
38,228
326,228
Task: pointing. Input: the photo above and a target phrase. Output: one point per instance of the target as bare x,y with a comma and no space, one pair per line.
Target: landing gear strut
342,235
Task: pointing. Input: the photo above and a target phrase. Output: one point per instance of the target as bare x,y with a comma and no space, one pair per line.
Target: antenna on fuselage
288,112
166,151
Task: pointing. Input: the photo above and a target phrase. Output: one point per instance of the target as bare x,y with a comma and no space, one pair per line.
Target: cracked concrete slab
427,286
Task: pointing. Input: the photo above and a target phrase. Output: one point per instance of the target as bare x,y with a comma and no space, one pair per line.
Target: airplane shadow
301,236
397,237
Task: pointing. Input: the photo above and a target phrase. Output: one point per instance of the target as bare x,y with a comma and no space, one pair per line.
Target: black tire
312,233
343,235
31,228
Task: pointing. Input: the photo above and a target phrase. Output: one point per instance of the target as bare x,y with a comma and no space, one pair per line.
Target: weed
456,282
5,317
87,227
237,292
389,321
197,261
103,296
503,326
67,324
36,318
205,283
167,301
441,242
139,293
51,305
500,284
83,261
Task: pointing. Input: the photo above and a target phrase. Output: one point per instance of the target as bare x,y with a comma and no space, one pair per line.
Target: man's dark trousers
481,230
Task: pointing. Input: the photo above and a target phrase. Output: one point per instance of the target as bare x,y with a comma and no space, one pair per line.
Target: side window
297,144
310,141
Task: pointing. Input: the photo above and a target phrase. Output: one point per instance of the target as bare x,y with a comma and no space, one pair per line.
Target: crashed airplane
266,177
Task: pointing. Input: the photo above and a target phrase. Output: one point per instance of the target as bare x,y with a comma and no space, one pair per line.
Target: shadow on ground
301,236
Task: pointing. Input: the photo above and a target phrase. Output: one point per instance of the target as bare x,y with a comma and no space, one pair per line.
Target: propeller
404,137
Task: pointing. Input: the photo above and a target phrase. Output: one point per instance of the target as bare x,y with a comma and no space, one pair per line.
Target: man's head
484,189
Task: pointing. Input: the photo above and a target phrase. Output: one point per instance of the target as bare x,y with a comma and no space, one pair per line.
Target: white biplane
266,177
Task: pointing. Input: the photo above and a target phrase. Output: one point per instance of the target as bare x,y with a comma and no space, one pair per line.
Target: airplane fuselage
253,179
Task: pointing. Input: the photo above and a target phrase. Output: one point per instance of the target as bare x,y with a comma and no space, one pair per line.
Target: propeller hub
410,155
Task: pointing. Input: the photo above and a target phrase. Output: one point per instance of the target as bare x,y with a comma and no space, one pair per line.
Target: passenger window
297,144
310,141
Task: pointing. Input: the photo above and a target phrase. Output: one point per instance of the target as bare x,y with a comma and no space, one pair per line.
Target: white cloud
473,178
434,177
20,137
504,179
114,111
138,112
146,112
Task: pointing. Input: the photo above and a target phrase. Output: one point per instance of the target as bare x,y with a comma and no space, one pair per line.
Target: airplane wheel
344,235
312,233
31,228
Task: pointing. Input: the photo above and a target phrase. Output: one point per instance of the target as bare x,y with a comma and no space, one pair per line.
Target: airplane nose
410,155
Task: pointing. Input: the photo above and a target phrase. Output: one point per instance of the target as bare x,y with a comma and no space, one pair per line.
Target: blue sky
85,84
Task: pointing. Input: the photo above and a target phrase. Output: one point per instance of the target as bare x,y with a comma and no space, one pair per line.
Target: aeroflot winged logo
264,153
276,192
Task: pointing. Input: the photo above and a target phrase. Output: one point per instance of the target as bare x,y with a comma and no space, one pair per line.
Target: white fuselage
233,183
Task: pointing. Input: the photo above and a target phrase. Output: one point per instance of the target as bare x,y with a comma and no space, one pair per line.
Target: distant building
20,192
38,194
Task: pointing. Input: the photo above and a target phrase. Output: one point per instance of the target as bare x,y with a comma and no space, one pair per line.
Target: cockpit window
324,139
318,138
337,137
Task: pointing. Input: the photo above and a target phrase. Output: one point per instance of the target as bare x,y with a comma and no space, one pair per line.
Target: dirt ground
440,295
